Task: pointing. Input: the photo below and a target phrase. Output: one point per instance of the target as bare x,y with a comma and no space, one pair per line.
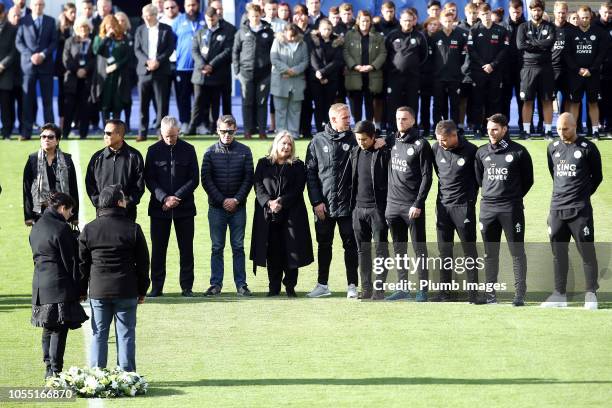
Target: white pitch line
87,333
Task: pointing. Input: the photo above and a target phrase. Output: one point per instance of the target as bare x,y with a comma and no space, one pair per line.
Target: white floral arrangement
99,382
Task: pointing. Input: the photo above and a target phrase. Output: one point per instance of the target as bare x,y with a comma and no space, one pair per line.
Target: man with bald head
575,166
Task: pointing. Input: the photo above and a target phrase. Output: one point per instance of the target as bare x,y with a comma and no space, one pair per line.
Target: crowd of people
364,184
467,69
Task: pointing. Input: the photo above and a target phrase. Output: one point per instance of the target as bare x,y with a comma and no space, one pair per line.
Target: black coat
326,57
380,163
166,43
289,185
219,56
172,170
72,58
126,167
9,57
30,172
56,272
114,257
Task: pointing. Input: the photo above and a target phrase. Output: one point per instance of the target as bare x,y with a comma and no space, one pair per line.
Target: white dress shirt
153,33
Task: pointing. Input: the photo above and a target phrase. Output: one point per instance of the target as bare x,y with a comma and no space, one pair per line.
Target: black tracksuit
456,203
328,179
486,46
558,63
125,167
368,203
535,42
449,52
386,27
408,186
512,72
576,172
406,53
605,104
171,171
504,172
586,49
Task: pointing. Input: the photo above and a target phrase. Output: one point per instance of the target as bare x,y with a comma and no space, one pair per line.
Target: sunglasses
46,136
227,131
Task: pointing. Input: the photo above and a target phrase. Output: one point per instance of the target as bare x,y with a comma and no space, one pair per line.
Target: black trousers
369,225
184,91
326,97
401,91
149,88
7,113
76,107
463,221
30,100
426,92
255,92
160,234
576,223
605,104
512,223
511,87
306,114
226,99
400,225
485,96
206,105
447,97
53,347
356,101
277,261
325,237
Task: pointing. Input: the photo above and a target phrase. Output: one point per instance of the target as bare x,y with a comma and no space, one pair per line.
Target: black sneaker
442,296
475,299
366,294
549,136
518,301
213,291
187,293
524,135
273,294
595,137
155,293
291,292
244,291
491,299
378,295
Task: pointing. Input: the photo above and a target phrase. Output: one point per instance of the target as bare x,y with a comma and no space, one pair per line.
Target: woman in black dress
281,234
55,287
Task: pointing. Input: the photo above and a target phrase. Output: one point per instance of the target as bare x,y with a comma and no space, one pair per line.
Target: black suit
31,40
77,55
171,171
153,83
9,58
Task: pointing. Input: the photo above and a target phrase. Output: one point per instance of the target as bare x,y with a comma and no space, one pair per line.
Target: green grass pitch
322,352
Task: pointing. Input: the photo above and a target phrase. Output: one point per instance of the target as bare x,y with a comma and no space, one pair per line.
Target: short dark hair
53,127
483,8
536,4
227,119
56,199
433,3
445,127
515,4
210,12
498,118
110,196
365,126
406,109
117,123
388,5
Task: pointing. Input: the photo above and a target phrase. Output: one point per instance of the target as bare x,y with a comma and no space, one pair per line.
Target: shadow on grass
370,381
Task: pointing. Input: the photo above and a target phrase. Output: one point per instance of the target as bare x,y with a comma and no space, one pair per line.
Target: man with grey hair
154,43
171,175
227,178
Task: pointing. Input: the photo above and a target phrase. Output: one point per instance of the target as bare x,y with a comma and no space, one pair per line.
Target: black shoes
518,301
291,292
155,293
475,299
213,291
443,296
187,293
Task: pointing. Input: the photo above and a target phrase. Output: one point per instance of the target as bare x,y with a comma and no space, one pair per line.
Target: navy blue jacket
227,172
28,43
172,170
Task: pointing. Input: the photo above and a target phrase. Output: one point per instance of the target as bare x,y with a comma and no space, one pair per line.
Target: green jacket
352,57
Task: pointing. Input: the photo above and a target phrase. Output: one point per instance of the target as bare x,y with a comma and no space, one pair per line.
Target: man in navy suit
154,42
36,42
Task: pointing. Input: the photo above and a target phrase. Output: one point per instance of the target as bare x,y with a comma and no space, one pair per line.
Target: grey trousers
288,114
255,103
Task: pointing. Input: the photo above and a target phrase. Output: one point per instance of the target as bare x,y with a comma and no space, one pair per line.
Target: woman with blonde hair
111,83
281,235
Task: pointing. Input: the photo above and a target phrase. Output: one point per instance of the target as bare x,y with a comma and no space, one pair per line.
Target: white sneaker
590,301
555,300
351,292
319,291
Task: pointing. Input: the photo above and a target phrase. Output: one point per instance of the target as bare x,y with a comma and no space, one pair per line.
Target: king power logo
518,227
